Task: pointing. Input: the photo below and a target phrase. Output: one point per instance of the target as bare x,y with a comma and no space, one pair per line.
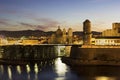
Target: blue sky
48,14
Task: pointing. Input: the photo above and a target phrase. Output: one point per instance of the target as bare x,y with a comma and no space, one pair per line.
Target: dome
59,32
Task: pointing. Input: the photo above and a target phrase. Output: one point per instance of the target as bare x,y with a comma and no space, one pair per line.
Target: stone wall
95,53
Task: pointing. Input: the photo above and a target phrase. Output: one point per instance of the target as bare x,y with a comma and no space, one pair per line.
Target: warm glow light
105,78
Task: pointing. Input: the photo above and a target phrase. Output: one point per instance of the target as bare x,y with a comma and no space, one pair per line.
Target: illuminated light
105,78
9,73
18,69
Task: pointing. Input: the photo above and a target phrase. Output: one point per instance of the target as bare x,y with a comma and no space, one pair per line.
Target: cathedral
61,36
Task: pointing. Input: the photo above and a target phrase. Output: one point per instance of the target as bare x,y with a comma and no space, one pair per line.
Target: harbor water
56,70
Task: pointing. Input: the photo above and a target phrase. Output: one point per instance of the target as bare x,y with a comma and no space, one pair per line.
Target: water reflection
9,73
18,69
60,68
105,78
56,70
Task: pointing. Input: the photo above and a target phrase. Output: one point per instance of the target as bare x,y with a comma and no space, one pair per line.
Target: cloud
26,24
38,27
47,23
6,11
41,27
33,27
4,22
42,23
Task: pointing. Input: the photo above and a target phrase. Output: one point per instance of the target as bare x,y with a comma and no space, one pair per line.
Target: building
62,37
109,36
87,32
57,37
107,40
115,31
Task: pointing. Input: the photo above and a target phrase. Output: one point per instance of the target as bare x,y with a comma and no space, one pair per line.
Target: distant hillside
26,33
37,33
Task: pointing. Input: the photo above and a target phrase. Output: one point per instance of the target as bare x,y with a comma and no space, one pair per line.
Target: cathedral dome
59,32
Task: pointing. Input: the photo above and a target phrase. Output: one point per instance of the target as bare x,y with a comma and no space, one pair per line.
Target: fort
103,50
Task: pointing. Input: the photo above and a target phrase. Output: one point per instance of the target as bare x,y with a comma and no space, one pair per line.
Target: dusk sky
48,14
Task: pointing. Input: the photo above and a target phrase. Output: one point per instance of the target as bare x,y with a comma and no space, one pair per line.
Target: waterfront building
115,31
107,40
109,36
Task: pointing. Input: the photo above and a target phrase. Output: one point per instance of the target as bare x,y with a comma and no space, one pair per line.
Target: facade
107,41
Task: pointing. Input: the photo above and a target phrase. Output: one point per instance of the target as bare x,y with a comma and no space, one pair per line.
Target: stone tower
87,32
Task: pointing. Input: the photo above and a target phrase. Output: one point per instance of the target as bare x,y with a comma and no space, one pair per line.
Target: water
56,70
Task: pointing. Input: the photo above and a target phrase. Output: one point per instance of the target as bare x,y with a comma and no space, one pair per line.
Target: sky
47,15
